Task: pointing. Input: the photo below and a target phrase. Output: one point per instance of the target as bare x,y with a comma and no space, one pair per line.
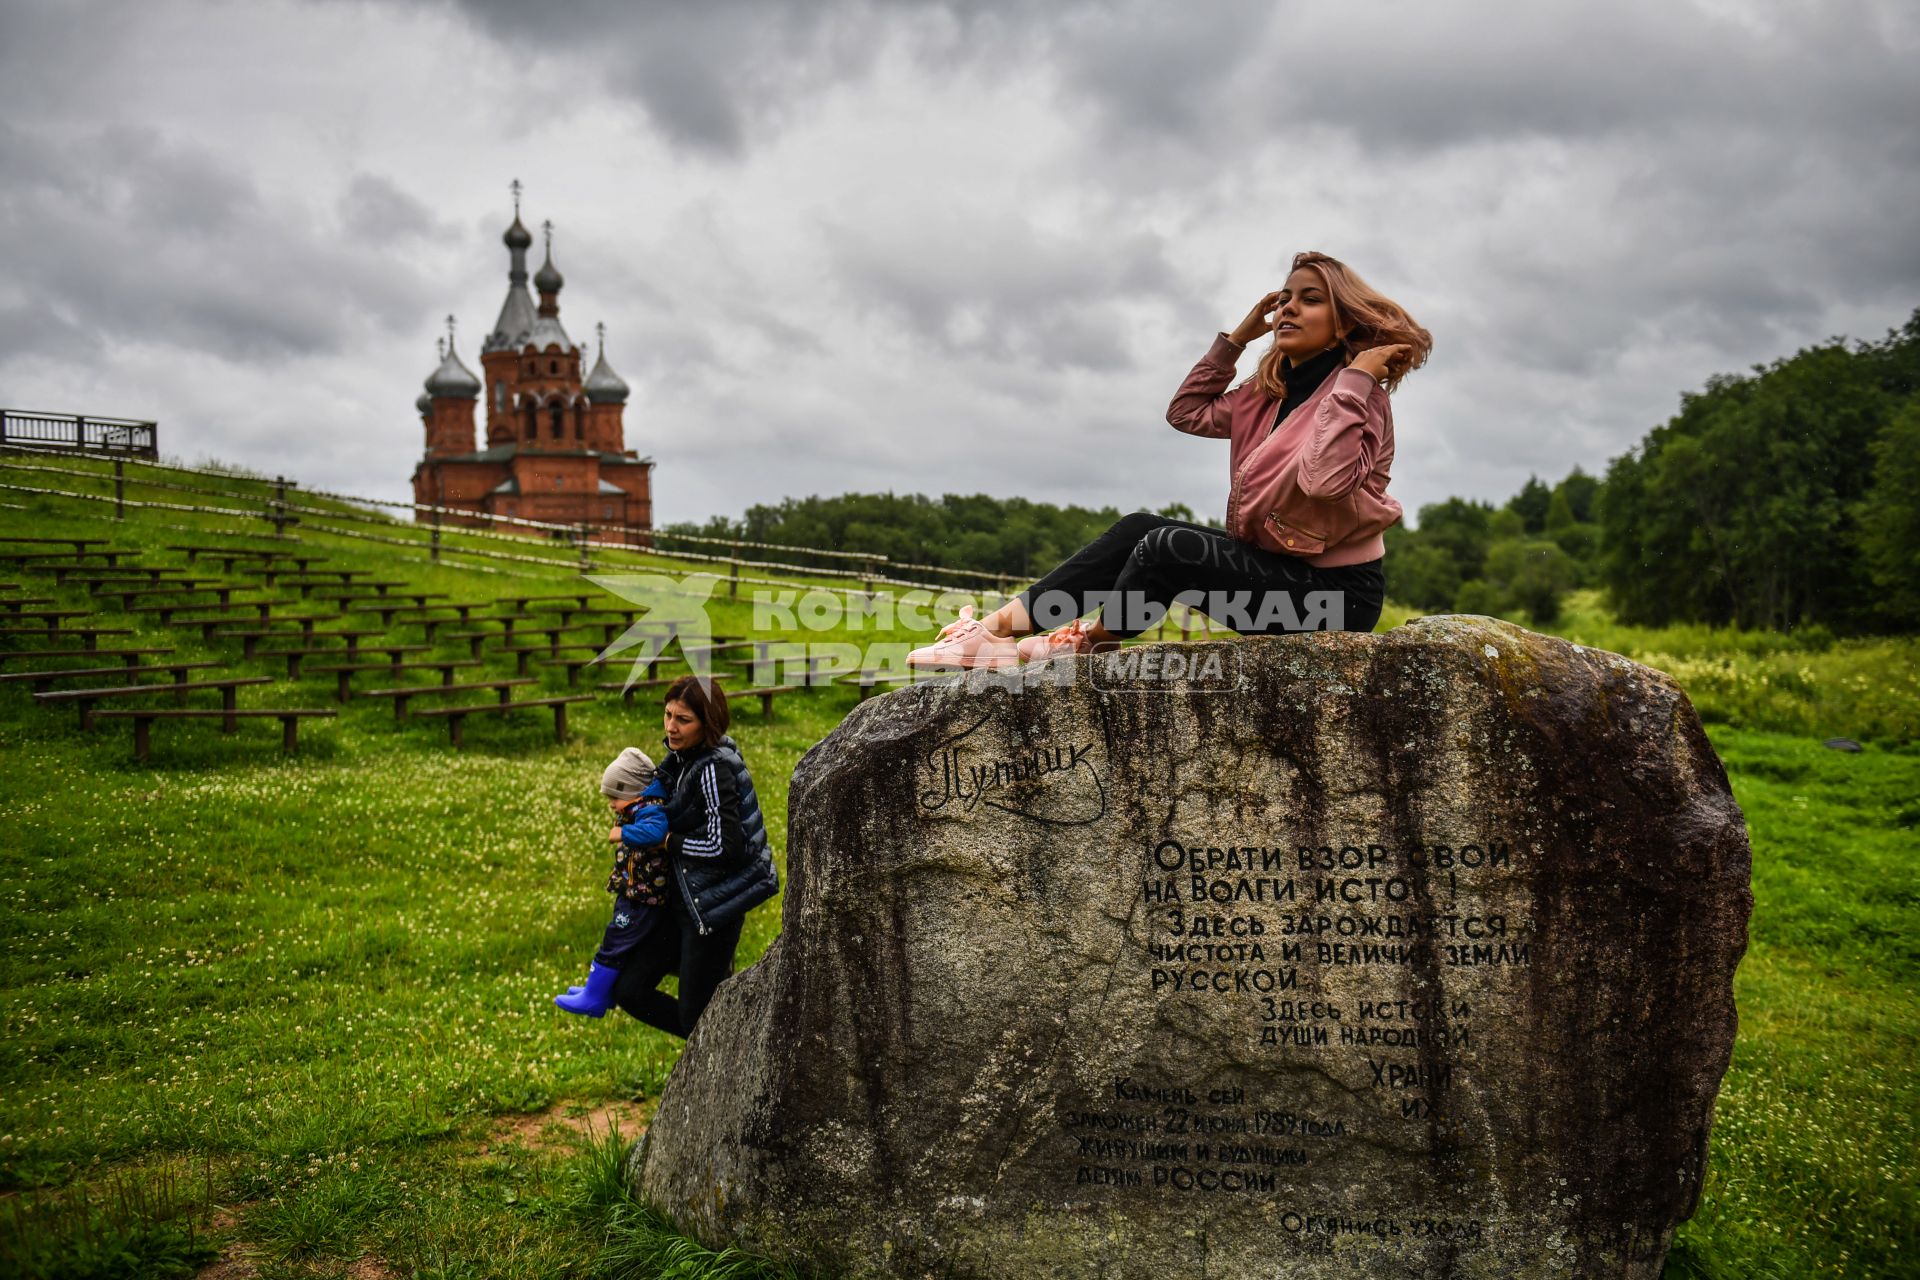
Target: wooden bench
89,636
273,573
40,680
345,672
766,695
393,652
572,665
414,599
629,691
85,698
758,646
455,715
35,561
811,670
428,624
385,606
15,603
78,544
520,603
143,717
551,642
523,654
221,591
122,573
165,612
250,638
50,616
464,608
307,583
400,697
353,650
128,655
239,553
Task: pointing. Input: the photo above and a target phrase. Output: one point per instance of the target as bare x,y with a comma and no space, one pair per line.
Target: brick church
556,448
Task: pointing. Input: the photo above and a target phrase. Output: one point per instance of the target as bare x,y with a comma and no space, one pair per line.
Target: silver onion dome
453,378
548,278
604,386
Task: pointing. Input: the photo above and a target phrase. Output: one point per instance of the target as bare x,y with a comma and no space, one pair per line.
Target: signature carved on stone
1054,782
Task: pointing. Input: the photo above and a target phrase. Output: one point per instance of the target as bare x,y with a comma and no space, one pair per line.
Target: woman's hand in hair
1375,362
1258,321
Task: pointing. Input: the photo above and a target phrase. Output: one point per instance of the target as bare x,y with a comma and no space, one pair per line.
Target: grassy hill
297,1008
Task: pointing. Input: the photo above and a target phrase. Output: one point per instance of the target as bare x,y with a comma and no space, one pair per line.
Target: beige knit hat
627,776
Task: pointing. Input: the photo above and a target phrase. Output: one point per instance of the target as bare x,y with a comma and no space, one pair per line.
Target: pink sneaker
1072,638
965,642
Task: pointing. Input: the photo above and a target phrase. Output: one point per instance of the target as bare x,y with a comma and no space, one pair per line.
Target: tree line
1778,498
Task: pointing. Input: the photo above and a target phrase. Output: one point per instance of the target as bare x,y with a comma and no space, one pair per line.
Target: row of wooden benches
569,607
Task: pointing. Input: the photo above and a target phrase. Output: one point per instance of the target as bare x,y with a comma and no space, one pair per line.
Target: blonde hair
1363,317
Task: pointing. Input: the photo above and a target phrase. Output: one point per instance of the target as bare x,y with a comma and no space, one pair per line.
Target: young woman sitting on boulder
1311,449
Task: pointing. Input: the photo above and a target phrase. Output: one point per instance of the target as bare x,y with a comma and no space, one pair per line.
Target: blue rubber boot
595,998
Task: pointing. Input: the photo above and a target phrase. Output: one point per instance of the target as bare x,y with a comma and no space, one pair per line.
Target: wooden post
290,734
436,534
586,551
120,491
733,574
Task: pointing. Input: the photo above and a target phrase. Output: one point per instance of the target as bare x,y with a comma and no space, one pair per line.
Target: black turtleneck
1303,380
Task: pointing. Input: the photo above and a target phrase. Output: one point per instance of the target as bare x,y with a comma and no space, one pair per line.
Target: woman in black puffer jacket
717,848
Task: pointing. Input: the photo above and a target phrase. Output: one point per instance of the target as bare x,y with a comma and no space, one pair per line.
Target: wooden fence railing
80,432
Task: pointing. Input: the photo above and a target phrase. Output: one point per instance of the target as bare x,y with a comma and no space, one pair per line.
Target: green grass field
295,1011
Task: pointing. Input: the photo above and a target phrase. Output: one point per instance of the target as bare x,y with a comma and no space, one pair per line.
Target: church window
553,366
559,423
500,394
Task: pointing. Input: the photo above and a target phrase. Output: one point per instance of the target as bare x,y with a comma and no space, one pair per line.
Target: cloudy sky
939,247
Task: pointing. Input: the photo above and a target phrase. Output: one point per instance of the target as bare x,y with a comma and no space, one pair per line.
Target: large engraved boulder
1320,955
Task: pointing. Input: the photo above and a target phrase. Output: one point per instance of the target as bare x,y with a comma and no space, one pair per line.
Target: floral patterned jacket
640,873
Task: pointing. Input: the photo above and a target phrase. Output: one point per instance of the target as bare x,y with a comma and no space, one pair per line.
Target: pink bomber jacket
1316,487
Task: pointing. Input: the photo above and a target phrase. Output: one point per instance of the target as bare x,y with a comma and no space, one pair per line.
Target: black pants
674,945
1134,570
627,929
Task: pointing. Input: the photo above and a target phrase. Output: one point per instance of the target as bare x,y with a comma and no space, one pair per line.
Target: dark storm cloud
1735,137
132,235
709,75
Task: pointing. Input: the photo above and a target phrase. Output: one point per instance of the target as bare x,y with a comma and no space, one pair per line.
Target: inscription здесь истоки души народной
1265,924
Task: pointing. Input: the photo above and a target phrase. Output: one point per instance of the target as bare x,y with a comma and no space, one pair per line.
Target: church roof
548,278
453,378
514,329
546,331
604,386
